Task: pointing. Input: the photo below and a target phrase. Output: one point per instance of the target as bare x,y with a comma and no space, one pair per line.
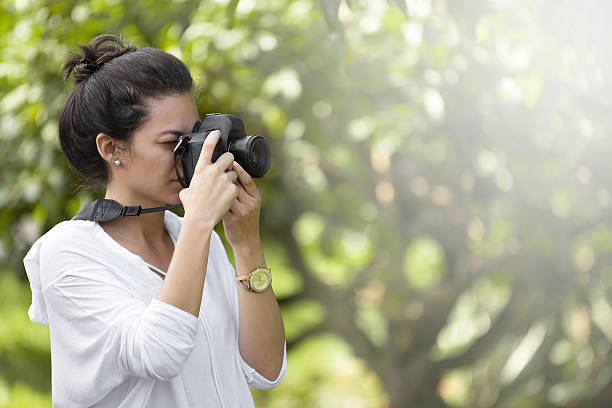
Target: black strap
178,151
104,210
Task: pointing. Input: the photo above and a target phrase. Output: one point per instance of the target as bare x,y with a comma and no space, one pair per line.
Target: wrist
249,256
247,248
201,224
244,243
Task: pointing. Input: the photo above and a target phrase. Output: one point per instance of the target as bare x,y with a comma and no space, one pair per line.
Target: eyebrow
172,132
175,132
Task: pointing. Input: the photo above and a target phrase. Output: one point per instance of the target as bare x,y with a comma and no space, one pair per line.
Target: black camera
251,152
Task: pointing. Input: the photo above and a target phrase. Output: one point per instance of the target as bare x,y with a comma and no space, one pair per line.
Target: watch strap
245,280
240,279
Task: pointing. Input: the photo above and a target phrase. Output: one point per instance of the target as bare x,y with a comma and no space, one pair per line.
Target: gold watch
256,281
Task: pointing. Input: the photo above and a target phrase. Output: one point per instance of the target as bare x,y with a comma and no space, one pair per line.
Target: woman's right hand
212,190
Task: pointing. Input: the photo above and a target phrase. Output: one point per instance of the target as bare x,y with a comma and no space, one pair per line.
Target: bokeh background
437,214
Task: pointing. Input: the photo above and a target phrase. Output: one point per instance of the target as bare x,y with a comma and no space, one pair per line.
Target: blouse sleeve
254,379
101,333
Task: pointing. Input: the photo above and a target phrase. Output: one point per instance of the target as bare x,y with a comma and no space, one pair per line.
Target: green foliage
25,359
424,264
325,374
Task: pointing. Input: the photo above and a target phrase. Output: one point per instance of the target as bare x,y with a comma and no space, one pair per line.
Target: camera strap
104,210
178,151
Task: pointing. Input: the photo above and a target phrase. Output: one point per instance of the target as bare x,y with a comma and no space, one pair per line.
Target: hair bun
94,54
84,69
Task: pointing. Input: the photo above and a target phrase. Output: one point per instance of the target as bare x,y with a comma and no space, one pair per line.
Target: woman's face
147,171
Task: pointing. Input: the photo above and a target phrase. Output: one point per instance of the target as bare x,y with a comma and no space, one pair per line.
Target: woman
145,311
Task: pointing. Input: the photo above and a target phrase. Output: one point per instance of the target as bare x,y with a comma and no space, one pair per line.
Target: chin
166,197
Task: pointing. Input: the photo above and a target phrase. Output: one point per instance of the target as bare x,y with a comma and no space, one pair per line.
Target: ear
106,147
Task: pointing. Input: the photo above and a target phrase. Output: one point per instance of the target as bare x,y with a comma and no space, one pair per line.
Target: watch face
260,280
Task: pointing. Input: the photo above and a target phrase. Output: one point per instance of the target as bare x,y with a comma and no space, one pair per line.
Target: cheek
157,165
163,158
157,160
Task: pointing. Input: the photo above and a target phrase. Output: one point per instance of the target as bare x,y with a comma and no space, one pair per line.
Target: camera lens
252,153
260,155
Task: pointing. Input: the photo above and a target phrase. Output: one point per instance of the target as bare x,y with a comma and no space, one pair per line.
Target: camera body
251,152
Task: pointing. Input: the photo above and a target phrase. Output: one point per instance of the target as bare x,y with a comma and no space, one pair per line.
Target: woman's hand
212,190
241,223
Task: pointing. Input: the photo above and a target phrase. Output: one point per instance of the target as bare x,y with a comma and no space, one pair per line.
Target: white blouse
113,344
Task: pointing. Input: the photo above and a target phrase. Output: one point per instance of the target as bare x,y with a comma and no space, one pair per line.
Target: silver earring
117,162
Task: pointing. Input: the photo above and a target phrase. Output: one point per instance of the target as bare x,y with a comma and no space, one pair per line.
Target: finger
246,180
224,162
243,196
237,208
233,177
229,217
208,148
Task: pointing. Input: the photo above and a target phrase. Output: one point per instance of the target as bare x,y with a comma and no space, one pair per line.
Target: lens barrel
252,153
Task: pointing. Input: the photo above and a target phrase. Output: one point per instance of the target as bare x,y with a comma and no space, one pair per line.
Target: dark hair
114,81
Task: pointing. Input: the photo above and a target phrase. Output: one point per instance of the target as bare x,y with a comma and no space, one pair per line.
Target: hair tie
89,64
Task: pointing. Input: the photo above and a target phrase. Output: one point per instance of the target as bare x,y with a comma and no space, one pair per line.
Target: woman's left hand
241,222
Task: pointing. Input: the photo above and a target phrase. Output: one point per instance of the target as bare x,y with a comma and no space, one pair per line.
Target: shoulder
71,234
69,247
72,228
66,240
64,233
43,261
